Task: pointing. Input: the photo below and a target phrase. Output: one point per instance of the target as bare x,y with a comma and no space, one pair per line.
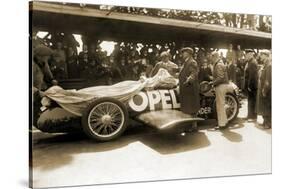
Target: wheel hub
106,119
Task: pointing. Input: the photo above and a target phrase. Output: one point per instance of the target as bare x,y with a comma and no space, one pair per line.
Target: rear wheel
231,106
105,119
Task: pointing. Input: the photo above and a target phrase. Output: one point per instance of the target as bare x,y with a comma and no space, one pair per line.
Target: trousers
221,90
252,99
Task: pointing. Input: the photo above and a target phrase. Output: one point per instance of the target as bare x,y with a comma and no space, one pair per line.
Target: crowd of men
128,61
249,70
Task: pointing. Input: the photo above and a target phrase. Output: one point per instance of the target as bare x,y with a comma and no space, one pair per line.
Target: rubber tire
85,115
237,102
236,113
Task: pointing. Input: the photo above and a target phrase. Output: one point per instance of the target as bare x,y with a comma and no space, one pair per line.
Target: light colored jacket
169,66
220,75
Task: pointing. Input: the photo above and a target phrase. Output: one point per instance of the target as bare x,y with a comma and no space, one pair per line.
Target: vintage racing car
104,112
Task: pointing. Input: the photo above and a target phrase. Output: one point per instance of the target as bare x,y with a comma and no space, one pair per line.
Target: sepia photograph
123,94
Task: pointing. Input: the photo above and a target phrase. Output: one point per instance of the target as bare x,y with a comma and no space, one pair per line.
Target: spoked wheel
231,106
105,119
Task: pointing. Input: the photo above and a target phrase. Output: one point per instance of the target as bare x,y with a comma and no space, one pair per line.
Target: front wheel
105,119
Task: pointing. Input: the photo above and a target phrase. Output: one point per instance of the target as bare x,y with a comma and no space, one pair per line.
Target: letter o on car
139,107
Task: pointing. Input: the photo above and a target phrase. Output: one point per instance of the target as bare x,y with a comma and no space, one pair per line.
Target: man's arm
155,70
175,70
48,74
267,84
210,76
193,73
253,76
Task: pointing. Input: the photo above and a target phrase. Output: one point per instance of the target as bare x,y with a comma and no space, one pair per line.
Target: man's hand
250,90
187,82
142,79
263,93
54,82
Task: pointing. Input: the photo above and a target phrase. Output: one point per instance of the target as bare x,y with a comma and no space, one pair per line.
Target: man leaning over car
41,75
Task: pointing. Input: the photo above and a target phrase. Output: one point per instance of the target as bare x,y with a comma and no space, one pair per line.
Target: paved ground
143,154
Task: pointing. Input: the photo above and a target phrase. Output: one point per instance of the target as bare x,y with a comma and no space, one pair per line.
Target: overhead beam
90,12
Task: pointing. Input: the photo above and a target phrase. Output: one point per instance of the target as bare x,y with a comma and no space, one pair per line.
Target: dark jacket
251,75
41,75
220,73
72,66
189,87
205,74
264,91
232,73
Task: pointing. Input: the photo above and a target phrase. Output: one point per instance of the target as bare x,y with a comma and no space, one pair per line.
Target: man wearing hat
41,69
189,84
165,63
251,83
41,76
264,89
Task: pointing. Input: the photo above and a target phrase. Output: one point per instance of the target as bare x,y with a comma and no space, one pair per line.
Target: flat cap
265,52
42,50
215,53
249,51
187,49
165,54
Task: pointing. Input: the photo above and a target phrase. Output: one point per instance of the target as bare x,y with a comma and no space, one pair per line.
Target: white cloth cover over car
75,101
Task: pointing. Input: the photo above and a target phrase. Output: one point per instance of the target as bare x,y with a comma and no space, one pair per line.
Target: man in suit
251,83
264,89
189,84
221,84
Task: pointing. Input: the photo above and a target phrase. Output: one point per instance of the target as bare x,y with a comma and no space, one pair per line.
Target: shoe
224,127
217,127
221,127
252,120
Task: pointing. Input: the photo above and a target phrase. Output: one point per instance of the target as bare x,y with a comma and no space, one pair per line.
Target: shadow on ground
228,133
260,127
54,151
169,143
